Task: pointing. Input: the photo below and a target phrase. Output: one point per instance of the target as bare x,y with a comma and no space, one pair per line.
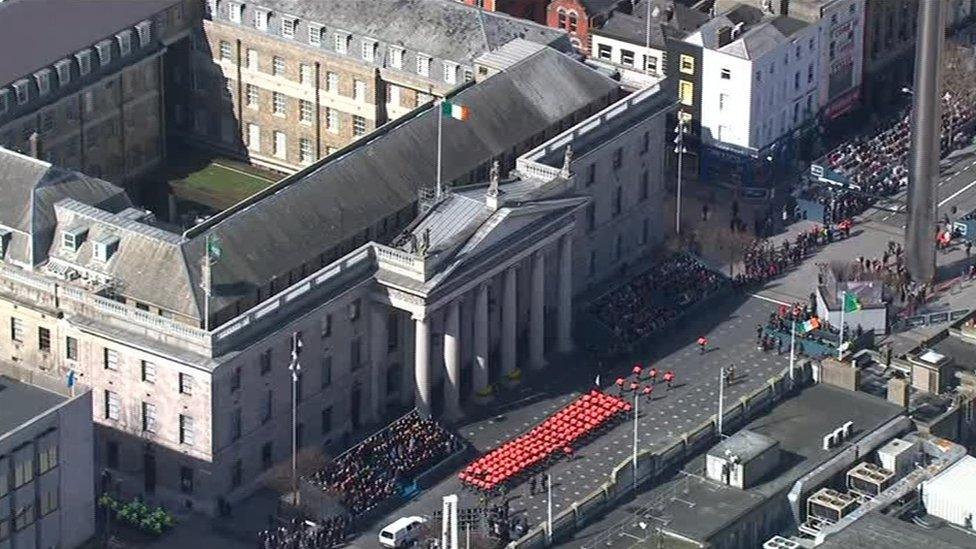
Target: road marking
957,193
251,175
771,300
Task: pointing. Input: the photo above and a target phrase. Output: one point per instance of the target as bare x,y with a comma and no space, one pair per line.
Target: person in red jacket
702,342
669,378
652,374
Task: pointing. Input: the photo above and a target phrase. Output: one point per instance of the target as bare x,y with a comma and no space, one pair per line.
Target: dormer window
84,62
235,12
43,78
450,72
261,18
5,237
396,57
105,247
369,50
104,49
314,34
21,88
423,65
72,239
288,26
125,42
342,42
144,30
64,72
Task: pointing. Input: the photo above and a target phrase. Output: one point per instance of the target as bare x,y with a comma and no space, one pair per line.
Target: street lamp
721,400
680,150
295,368
636,413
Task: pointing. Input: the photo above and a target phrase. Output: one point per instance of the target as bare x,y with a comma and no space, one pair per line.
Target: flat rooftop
697,508
876,530
20,402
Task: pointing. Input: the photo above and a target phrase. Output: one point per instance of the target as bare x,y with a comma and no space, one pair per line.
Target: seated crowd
302,534
652,299
380,466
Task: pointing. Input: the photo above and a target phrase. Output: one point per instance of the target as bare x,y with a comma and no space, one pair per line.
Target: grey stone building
189,359
92,89
47,486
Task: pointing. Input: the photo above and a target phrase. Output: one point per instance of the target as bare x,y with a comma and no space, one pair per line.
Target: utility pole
295,369
679,149
721,399
792,348
925,151
636,415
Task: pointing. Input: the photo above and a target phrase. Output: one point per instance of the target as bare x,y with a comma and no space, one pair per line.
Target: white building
759,78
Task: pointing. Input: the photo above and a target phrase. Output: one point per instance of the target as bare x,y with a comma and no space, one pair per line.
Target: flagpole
843,299
206,284
440,124
792,347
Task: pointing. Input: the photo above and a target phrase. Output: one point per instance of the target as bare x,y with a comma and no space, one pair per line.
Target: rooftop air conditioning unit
869,480
830,506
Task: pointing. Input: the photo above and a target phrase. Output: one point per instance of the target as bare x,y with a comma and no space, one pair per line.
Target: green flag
214,250
851,303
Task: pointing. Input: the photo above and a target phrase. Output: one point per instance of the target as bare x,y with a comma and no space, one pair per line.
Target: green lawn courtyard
219,183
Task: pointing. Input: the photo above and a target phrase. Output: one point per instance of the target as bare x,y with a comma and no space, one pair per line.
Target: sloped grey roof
747,15
761,32
672,19
150,264
37,33
29,189
600,7
311,212
632,29
442,28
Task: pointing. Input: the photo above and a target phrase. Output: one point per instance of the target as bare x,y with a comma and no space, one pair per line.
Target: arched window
561,15
572,21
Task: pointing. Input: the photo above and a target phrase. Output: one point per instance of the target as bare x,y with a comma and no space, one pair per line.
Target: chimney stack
36,148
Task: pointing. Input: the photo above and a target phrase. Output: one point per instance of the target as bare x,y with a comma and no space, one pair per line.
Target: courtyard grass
220,184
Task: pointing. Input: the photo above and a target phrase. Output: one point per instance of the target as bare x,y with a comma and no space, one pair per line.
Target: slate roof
761,32
42,32
441,28
632,27
30,188
311,212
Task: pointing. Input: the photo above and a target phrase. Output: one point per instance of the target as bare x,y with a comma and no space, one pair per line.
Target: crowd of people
380,466
878,164
764,260
305,534
654,298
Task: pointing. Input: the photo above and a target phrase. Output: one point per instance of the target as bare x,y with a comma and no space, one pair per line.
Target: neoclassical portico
470,290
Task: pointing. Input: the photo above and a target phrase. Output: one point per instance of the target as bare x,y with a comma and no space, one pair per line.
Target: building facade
283,84
189,360
579,17
47,488
759,85
889,50
95,101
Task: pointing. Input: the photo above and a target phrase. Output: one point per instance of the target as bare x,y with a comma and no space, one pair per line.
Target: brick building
577,17
533,10
283,83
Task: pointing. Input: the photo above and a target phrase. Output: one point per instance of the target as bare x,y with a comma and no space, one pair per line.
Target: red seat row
556,434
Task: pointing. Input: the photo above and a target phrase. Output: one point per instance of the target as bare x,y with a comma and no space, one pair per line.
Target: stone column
421,367
377,356
452,361
564,326
537,320
509,320
480,374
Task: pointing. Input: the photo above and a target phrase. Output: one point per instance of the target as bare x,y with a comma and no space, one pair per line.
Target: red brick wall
533,10
581,35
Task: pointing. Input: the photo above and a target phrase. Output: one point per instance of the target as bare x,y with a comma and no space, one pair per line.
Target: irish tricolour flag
453,110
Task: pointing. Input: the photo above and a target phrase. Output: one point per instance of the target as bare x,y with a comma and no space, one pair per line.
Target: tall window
359,90
148,417
288,26
306,74
278,102
332,82
358,125
305,111
341,42
332,120
17,330
315,35
368,50
111,405
396,57
687,64
71,348
110,359
277,66
186,384
306,155
225,50
265,361
44,339
252,59
326,375
253,96
186,430
148,372
686,93
423,65
280,145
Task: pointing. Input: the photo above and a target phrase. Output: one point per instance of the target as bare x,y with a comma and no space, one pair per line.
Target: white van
402,532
